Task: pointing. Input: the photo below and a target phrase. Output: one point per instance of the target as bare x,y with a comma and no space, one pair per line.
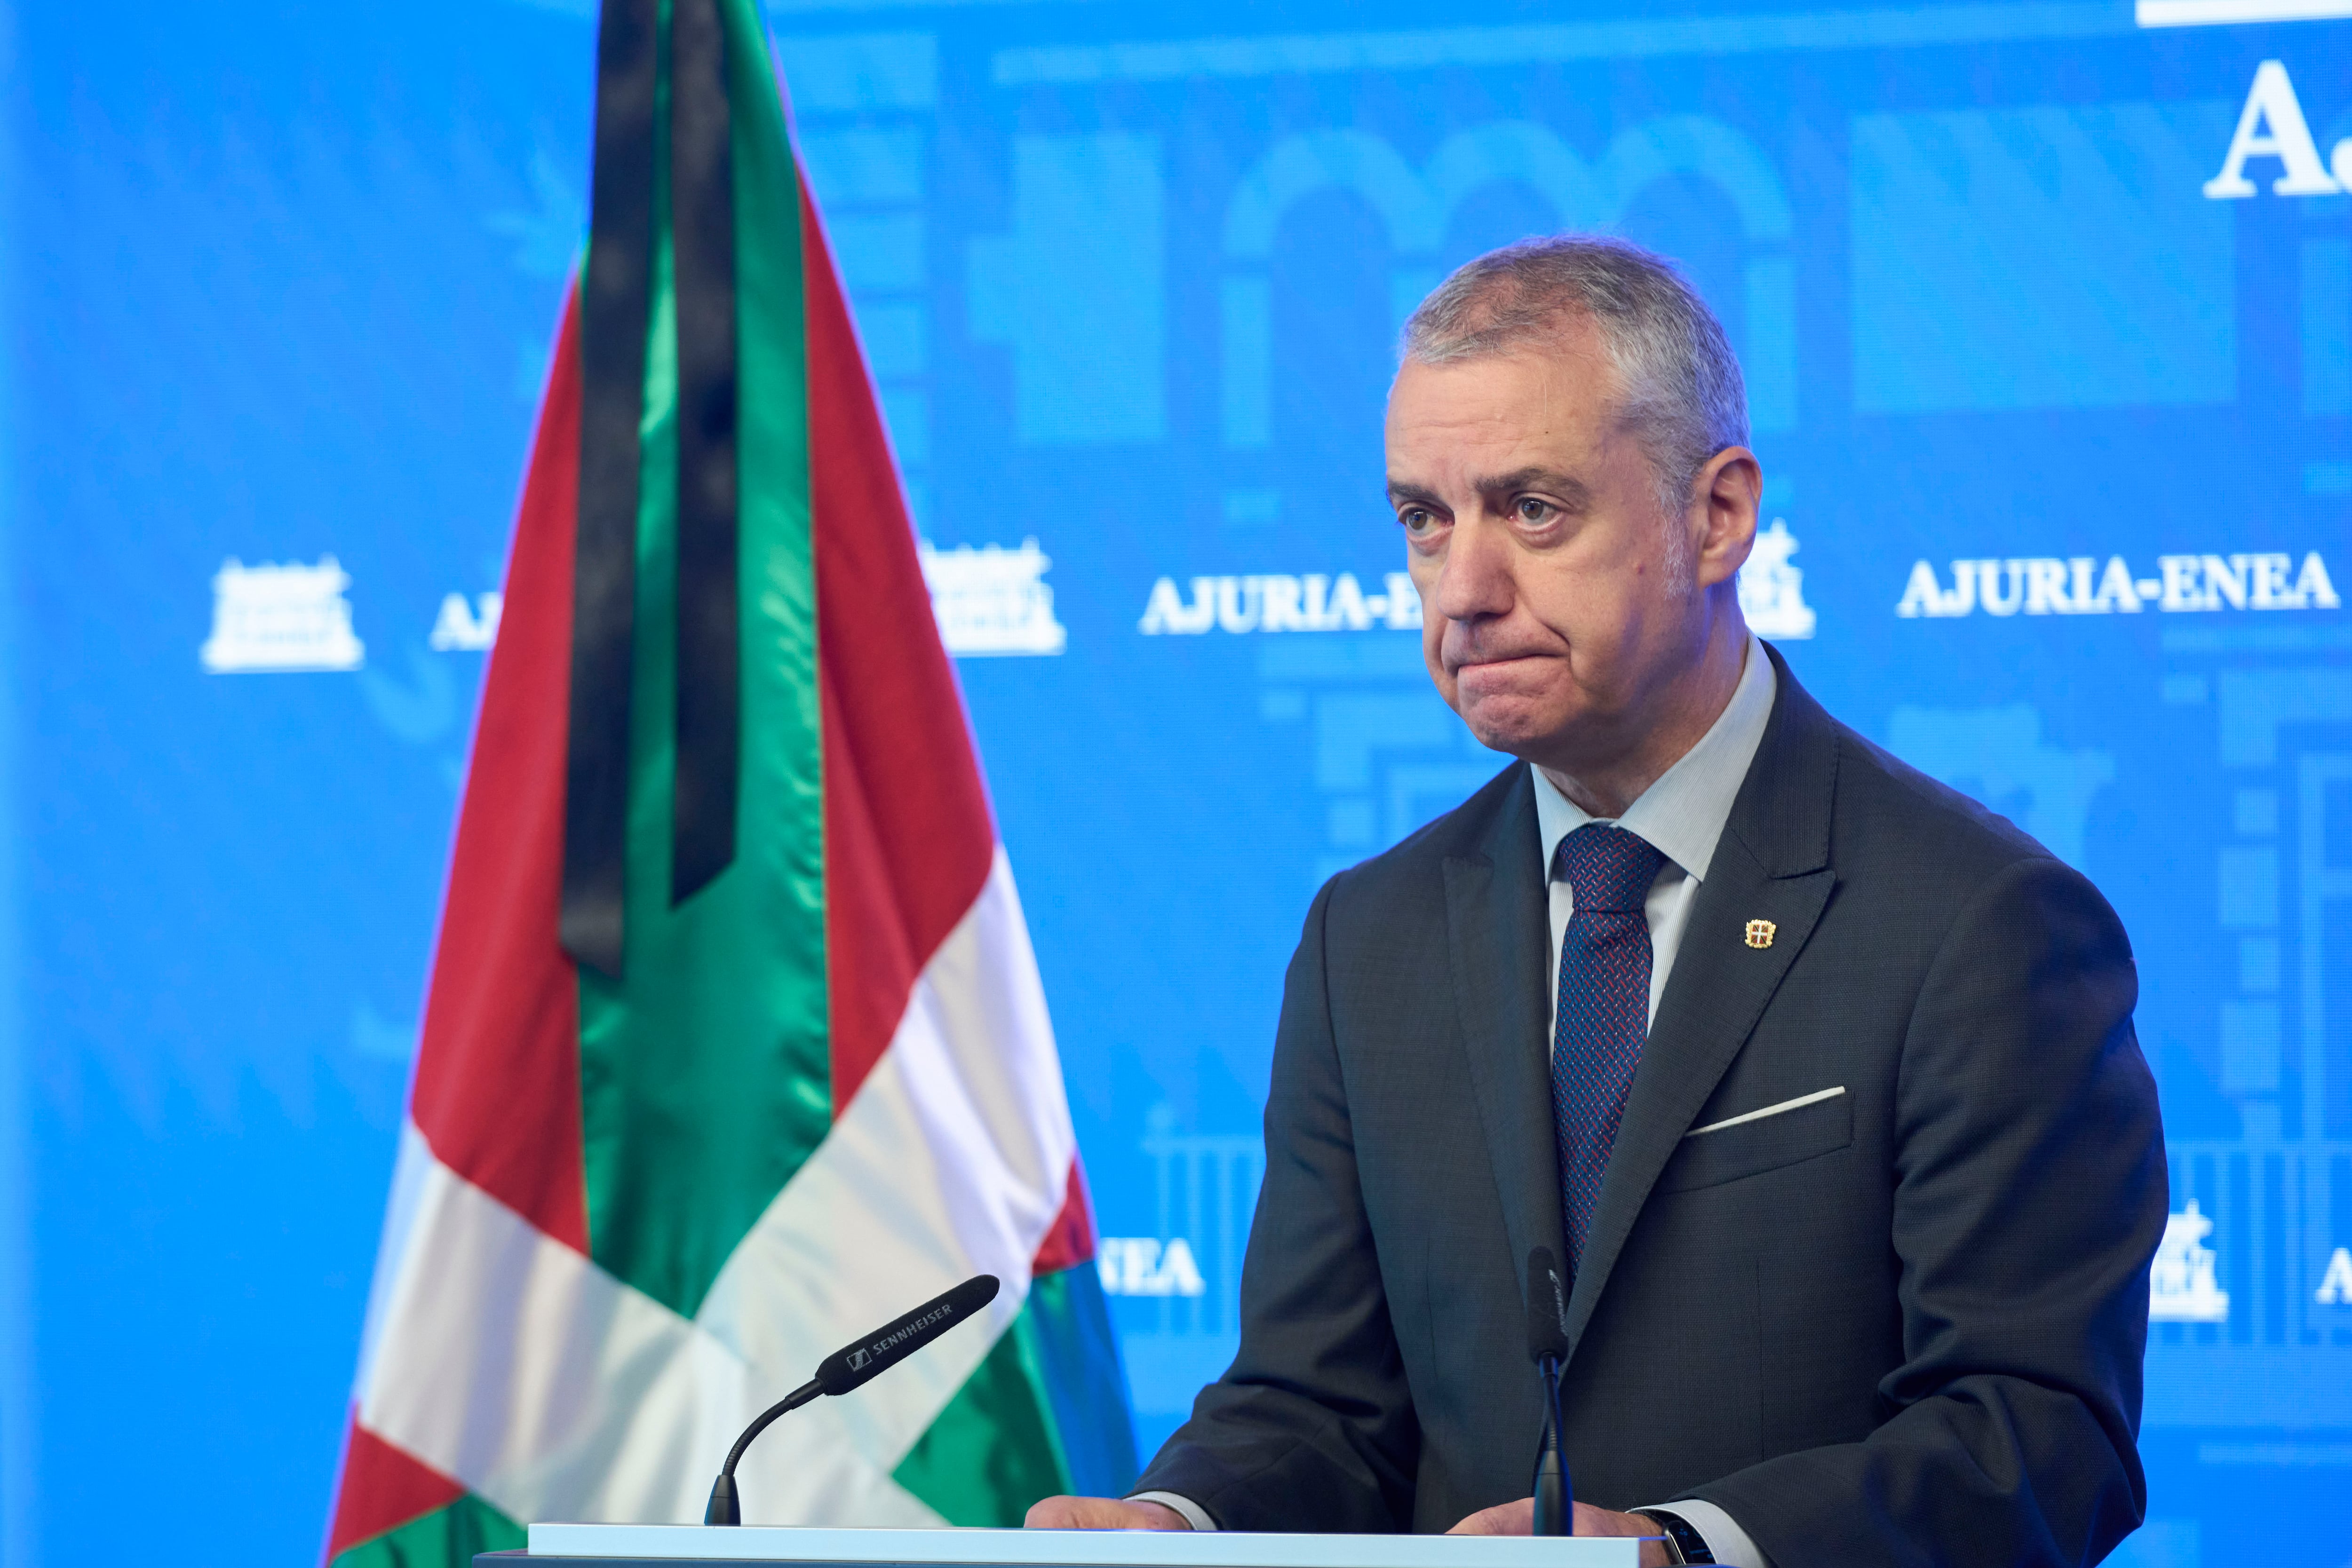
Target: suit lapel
1773,864
1499,947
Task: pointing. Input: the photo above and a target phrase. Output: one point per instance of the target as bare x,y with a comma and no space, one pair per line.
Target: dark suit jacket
1903,1324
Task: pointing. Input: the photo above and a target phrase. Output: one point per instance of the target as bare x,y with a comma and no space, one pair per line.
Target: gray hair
1678,385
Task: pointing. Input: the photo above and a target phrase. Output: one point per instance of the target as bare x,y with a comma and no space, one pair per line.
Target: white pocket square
1815,1098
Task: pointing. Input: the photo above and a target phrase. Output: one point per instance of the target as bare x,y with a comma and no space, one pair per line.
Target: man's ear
1728,490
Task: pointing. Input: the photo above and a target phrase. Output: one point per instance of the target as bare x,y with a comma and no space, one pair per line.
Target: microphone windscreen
1547,1307
895,1341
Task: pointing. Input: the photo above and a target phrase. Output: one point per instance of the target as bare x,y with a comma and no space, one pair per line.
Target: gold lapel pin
1760,933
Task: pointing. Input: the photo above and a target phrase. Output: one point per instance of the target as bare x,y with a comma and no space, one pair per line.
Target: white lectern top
1077,1547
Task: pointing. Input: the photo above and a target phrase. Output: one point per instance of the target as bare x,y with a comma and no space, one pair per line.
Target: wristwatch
1683,1538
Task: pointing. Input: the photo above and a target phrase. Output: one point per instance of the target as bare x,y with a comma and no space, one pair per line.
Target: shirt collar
1681,814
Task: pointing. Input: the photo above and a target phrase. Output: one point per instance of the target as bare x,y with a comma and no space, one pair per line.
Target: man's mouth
1489,660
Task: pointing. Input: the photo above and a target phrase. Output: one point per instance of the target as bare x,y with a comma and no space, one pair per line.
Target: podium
690,1545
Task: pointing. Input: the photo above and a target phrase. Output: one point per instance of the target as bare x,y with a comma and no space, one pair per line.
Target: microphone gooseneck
1547,1348
850,1367
725,1507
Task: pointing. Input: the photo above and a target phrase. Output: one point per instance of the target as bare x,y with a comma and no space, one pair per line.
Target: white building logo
289,617
1314,602
2272,126
1145,1266
2180,1284
1772,592
993,601
463,628
2079,585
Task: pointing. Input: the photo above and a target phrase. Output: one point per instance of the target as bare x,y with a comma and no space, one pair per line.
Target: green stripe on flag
706,1071
1023,1427
437,1540
994,1450
1085,1382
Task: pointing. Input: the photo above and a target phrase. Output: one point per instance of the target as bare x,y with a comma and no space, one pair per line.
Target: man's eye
1533,510
1416,519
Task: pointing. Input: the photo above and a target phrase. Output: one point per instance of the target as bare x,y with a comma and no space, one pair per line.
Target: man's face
1556,600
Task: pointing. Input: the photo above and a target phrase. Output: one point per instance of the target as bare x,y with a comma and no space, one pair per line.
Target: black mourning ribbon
615,318
702,231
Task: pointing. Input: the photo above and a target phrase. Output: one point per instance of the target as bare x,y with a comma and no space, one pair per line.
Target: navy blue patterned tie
1604,1008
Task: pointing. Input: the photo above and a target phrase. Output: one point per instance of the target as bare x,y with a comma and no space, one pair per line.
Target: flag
734,1046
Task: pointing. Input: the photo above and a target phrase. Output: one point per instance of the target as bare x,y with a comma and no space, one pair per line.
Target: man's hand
1105,1514
1519,1518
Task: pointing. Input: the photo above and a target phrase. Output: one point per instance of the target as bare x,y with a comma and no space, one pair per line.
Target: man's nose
1474,580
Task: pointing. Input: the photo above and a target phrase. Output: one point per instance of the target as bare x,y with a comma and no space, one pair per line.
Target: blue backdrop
2049,342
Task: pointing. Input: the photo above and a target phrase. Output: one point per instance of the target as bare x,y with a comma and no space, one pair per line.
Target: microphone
1547,1348
851,1367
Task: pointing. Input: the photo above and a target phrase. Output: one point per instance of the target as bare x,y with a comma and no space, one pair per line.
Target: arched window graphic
1415,206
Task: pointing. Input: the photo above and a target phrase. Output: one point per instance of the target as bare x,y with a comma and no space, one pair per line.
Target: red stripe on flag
907,835
382,1488
497,1072
1071,1241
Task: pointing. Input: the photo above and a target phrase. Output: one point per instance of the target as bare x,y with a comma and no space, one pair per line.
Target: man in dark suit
1819,1077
